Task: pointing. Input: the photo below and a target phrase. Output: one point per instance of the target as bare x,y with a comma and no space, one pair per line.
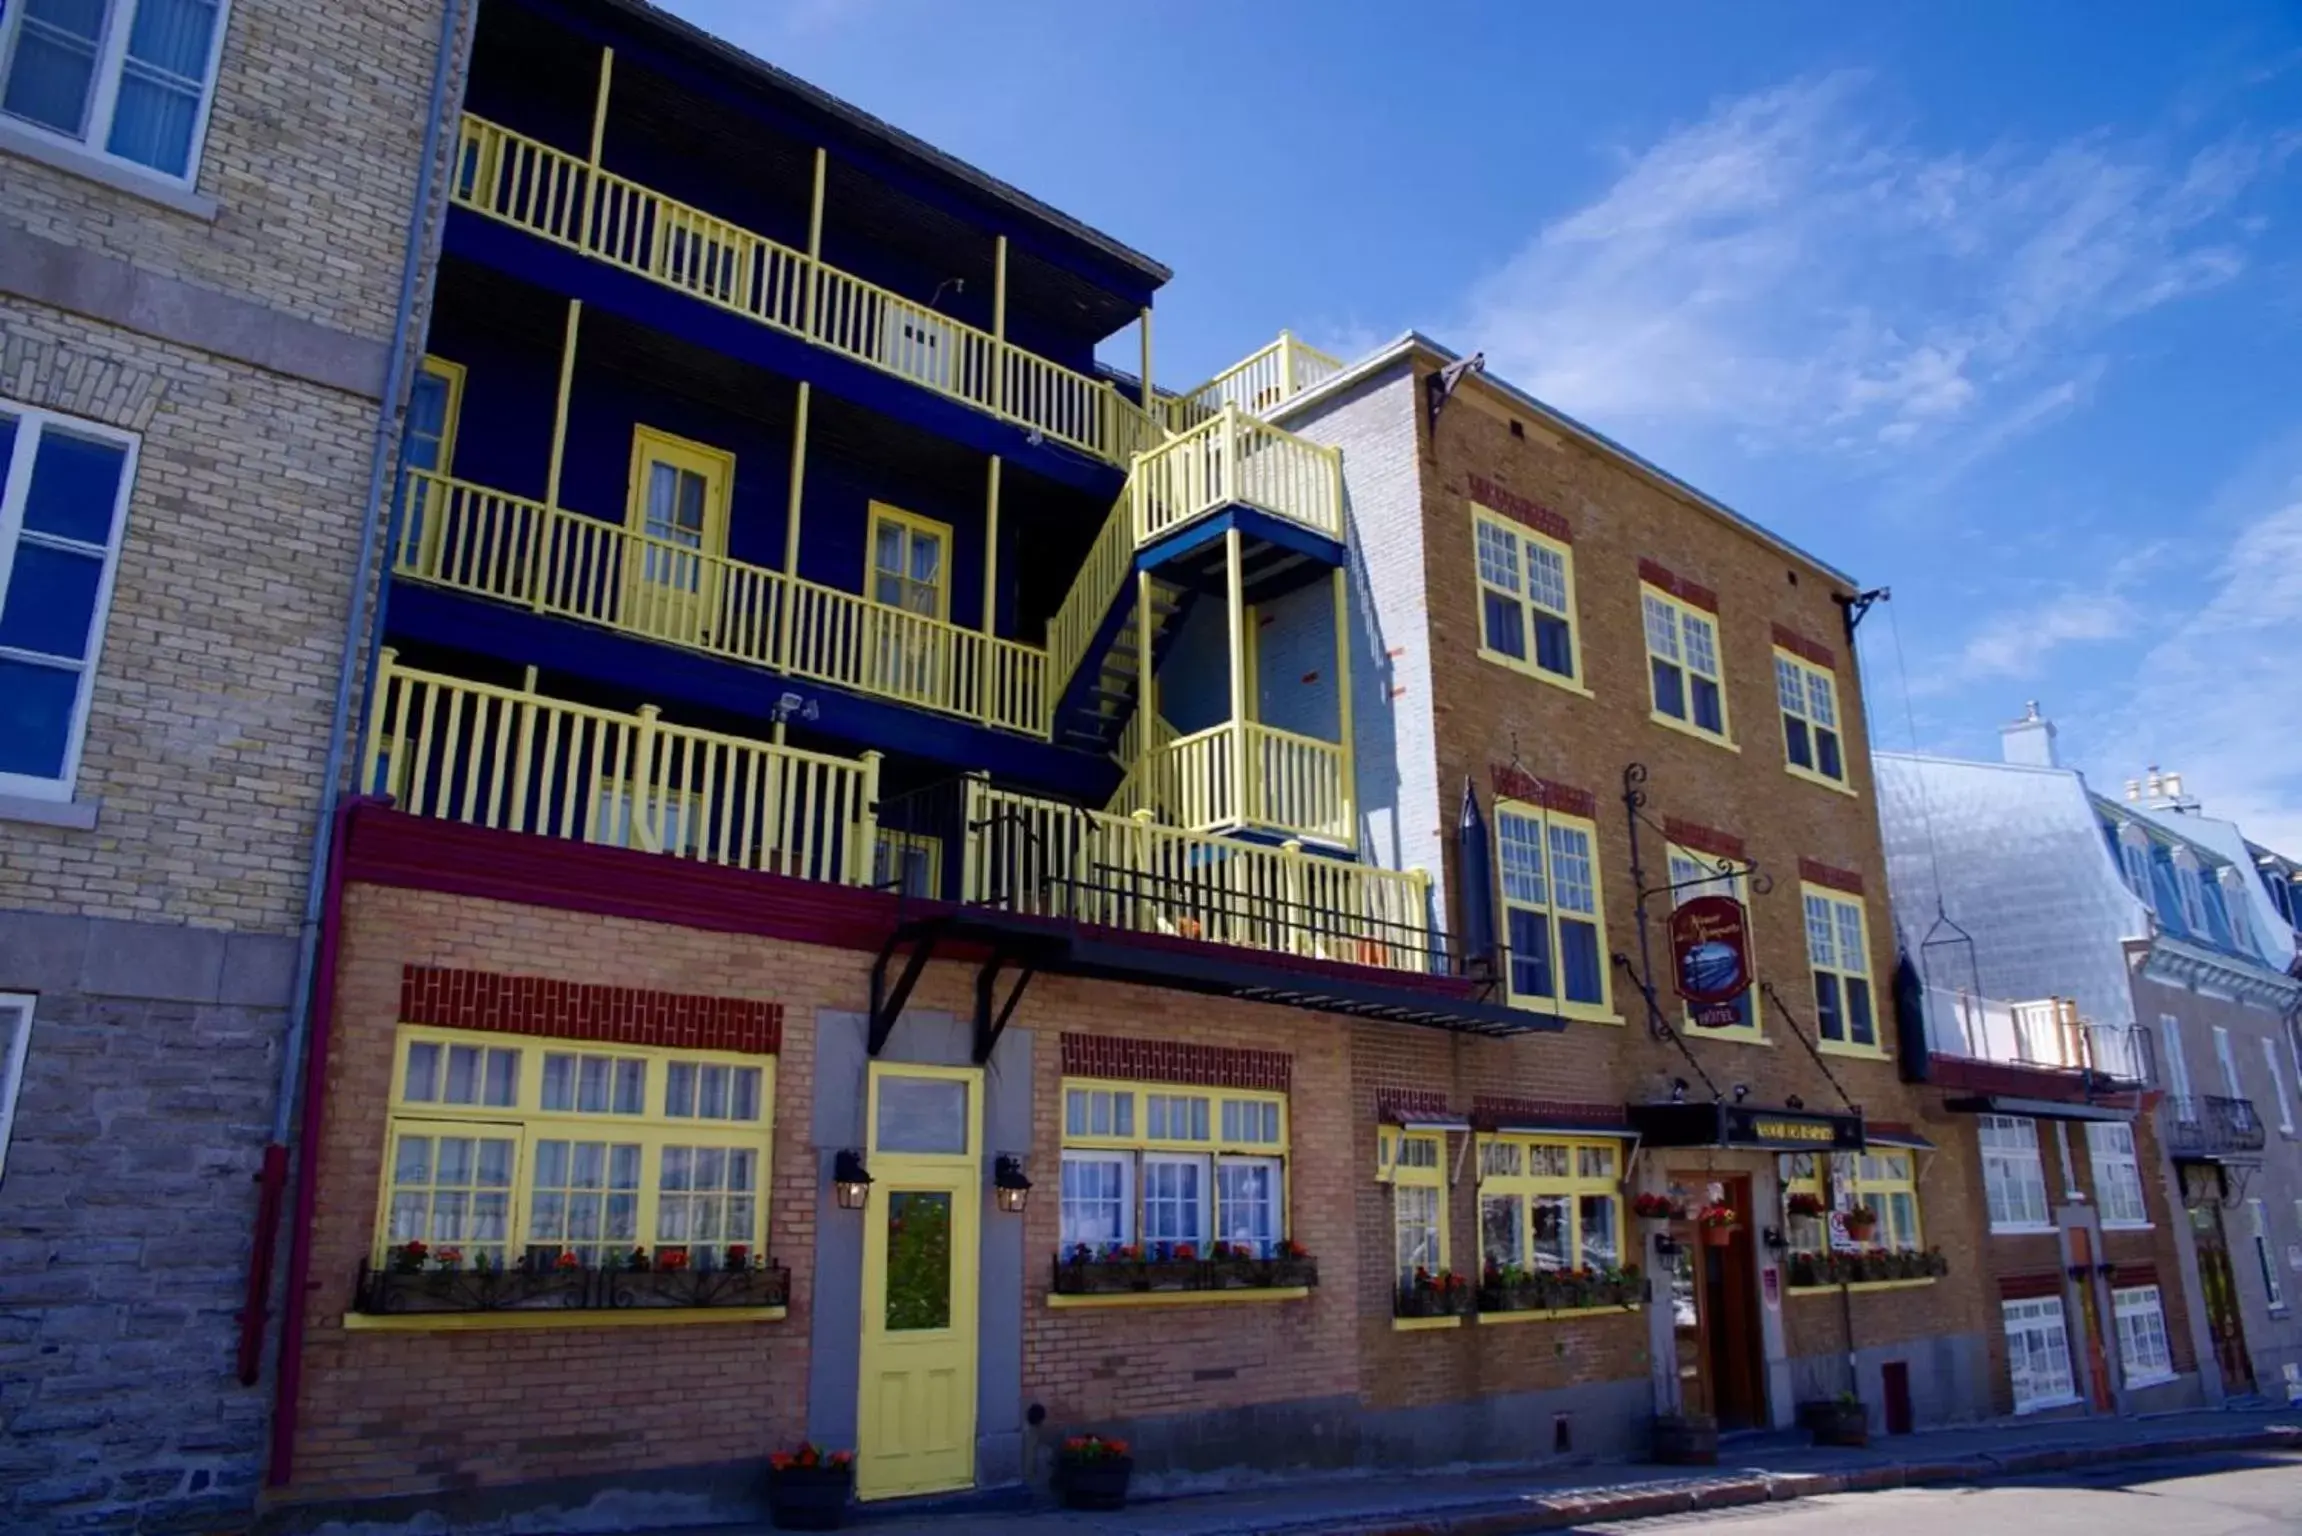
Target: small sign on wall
2294,1256
1770,1286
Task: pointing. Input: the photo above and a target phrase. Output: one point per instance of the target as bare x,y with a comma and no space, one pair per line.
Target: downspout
321,888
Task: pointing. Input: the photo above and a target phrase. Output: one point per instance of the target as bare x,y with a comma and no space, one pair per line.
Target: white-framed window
2177,1068
2228,1061
132,80
63,504
2234,907
1098,1199
2142,1351
1555,926
2134,858
1526,598
2117,1174
1683,663
1808,695
1165,1166
2013,1174
1838,952
2192,886
2038,1354
2278,1085
2266,1254
15,1050
1416,1171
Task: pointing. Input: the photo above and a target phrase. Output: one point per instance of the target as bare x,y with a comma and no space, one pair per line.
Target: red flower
1186,1251
738,1255
451,1255
415,1249
568,1260
676,1258
1290,1249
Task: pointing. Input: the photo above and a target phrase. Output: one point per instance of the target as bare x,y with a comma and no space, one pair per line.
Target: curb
1727,1492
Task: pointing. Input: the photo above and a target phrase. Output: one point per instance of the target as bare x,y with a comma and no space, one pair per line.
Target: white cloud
1788,271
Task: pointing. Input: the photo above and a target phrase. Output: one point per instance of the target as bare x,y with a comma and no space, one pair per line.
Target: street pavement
2230,1494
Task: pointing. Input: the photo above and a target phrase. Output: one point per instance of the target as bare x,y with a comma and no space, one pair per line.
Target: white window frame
2278,1086
2117,1168
15,1048
1203,1215
2190,881
2229,1061
2233,883
15,487
2134,858
1124,1161
104,92
2036,1315
2177,1068
2266,1255
2026,1165
2129,1305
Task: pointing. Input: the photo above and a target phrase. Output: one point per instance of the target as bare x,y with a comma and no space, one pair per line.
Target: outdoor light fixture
850,1180
1794,1102
1009,1184
1774,1239
1741,1092
1678,1090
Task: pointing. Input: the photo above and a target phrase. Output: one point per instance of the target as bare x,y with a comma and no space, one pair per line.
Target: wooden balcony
1243,776
560,197
472,539
1257,384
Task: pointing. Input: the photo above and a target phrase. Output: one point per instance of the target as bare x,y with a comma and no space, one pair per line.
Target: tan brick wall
207,727
311,157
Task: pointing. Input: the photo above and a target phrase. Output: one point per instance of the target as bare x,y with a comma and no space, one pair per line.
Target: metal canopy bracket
1860,604
989,1026
886,1005
1440,387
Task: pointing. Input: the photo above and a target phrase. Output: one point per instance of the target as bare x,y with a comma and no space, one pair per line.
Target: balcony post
1227,465
1421,926
810,323
791,505
1286,365
1235,606
598,143
642,781
971,834
1350,784
986,674
1294,925
866,849
1146,674
542,534
1146,322
999,325
379,705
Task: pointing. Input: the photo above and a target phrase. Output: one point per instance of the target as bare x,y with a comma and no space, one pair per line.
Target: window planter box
810,1498
537,1288
1099,1484
1836,1423
1558,1294
1119,1277
1430,1301
1807,1271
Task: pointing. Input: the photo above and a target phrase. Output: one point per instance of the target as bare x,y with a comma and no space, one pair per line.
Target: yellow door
678,522
915,1420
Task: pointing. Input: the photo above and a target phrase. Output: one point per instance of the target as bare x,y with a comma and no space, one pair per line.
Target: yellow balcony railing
1244,776
460,535
560,197
505,758
1054,860
1257,384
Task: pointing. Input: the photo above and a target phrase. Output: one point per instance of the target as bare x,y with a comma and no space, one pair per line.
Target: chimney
2029,742
2163,792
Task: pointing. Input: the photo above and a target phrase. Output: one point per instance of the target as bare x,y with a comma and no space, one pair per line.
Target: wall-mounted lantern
850,1180
1008,1184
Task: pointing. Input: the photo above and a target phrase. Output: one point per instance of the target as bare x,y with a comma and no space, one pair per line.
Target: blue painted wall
1195,675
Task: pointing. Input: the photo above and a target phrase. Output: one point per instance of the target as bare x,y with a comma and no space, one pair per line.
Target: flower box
1299,1272
541,1284
1098,1277
1836,1422
1434,1300
1092,1472
809,1489
1175,1275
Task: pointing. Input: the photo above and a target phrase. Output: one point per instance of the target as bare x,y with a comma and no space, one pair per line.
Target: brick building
203,245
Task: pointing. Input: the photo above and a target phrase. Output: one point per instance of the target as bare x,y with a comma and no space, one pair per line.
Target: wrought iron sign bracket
1799,1034
1660,1026
1860,604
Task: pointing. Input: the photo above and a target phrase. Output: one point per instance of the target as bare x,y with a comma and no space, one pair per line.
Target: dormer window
2234,904
2192,885
2134,854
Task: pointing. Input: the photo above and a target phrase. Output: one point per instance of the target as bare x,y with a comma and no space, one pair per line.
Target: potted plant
1440,1294
808,1487
1653,1207
1805,1271
1234,1266
1804,1204
1842,1420
1092,1472
1860,1221
409,1257
1290,1263
1717,1224
1685,1440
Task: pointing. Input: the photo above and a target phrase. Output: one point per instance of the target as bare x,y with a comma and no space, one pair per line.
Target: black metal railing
396,1290
2210,1126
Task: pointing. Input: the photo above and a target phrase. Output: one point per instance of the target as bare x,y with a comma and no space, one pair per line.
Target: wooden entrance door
2222,1320
1714,1298
915,1420
2090,1320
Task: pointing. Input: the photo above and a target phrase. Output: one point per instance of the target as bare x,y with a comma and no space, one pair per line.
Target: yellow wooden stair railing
457,534
561,198
1258,384
1243,776
514,760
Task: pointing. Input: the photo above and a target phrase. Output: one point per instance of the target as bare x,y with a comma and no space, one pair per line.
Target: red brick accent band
1392,1104
569,1010
1488,1113
1514,783
1693,835
1799,645
1816,872
1169,1061
1693,593
2029,1287
1518,508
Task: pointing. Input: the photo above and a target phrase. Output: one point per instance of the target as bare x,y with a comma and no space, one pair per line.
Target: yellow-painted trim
1753,1033
1602,1011
912,524
1251,630
1681,610
1572,682
619,1317
1146,338
1868,974
1342,581
1860,1285
566,388
1569,1186
451,374
1837,727
1235,613
1142,1139
991,546
1424,1324
1492,1319
1403,1176
651,446
1181,1298
1827,782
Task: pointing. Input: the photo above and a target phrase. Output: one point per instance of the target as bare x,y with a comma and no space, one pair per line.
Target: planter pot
1835,1423
1861,1233
810,1498
1096,1484
1685,1440
1717,1237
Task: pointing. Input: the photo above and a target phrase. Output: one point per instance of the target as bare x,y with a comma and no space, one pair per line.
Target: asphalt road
2240,1494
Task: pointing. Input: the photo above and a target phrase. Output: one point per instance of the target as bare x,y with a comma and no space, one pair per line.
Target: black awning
2036,1109
1911,1140
1753,1127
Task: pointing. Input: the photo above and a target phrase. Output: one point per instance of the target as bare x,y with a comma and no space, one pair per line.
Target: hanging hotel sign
1710,958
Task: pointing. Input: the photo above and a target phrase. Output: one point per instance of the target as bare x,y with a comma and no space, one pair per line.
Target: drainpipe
326,831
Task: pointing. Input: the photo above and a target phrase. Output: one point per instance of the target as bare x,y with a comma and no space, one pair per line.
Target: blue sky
1997,305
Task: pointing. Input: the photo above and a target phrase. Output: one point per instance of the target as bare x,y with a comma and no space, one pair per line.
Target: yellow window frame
1214,1147
526,1122
1495,1149
1738,883
1871,1178
1839,901
1802,1174
1403,1175
452,375
1602,1011
883,513
1807,671
1524,536
1682,615
651,446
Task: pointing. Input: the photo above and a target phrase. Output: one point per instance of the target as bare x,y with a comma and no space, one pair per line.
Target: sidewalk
1500,1503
